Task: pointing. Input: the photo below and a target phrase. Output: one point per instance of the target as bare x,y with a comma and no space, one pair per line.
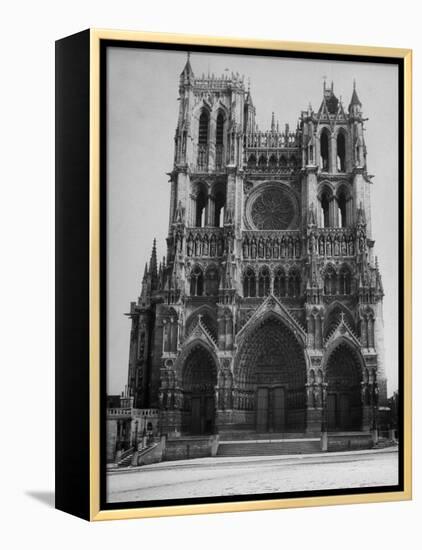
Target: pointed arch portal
271,374
199,380
344,377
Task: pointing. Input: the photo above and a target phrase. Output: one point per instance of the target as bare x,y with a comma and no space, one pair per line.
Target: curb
221,461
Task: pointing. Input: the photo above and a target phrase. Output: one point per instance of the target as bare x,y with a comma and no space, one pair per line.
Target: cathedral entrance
270,409
199,381
271,376
344,403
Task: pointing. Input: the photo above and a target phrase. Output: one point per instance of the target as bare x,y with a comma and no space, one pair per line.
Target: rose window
273,209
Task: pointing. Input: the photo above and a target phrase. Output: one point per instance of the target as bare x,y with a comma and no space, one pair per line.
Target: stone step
127,461
265,448
252,435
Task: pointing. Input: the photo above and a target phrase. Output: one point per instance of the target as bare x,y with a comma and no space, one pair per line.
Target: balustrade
118,412
271,140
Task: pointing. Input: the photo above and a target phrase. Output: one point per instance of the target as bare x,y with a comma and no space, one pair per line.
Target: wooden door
262,410
344,412
196,416
332,411
278,409
209,415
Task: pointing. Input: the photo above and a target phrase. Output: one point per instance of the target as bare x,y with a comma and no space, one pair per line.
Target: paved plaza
253,475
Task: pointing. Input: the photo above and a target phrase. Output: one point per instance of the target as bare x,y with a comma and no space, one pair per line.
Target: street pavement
226,476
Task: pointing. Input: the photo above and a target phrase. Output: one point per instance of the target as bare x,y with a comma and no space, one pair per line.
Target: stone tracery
272,209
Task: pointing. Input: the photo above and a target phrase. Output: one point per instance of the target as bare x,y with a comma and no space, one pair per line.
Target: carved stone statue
321,246
205,247
253,250
275,249
212,246
261,249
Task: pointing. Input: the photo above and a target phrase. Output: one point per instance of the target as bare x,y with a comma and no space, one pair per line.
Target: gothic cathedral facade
266,313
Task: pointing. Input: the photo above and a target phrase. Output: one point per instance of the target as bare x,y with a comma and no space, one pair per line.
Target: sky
142,110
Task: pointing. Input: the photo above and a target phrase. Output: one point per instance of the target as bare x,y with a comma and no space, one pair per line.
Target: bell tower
205,180
336,191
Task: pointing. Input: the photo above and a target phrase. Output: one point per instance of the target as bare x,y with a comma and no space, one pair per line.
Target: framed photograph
233,274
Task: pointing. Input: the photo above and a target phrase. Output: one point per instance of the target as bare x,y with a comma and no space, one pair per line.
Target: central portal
270,409
271,376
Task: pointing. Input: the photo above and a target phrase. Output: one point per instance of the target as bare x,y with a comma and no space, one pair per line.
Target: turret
144,297
249,113
355,106
272,122
187,76
153,263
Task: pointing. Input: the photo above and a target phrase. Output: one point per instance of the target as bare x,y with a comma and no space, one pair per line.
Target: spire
144,297
187,74
272,122
153,260
355,104
249,99
355,99
160,275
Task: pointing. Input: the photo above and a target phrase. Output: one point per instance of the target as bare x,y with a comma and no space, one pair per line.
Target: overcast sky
142,114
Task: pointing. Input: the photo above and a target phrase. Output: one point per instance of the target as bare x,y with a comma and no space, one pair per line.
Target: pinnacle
187,72
355,99
153,260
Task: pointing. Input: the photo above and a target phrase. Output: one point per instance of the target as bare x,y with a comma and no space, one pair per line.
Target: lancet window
249,284
197,282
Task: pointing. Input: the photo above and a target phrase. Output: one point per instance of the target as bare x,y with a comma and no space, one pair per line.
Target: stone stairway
265,447
383,443
126,461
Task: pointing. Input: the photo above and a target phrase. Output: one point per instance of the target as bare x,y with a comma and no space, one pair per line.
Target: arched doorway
344,376
271,377
199,381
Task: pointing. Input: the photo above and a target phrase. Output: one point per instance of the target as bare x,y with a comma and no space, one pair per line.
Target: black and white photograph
252,289
210,266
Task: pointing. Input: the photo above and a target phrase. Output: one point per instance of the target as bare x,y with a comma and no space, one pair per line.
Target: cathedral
265,315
